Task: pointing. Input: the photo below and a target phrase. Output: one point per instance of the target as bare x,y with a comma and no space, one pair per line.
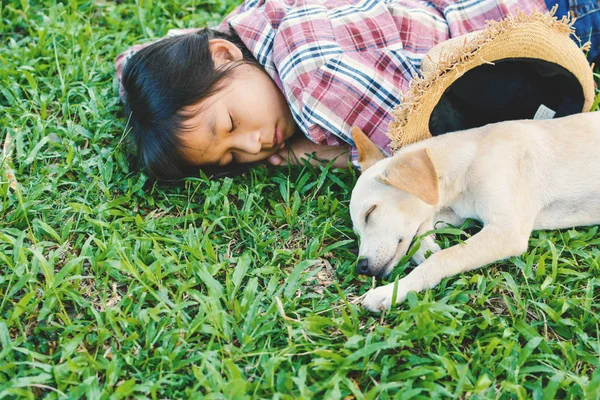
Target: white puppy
514,176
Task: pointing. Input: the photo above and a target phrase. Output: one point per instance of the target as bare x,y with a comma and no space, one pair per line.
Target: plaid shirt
344,63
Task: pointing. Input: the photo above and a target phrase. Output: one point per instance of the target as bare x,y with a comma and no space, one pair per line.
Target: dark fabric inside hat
510,89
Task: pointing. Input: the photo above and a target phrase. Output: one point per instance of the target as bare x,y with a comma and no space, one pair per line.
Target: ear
223,51
414,173
368,152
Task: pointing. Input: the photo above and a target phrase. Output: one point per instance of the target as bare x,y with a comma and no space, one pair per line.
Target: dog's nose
362,267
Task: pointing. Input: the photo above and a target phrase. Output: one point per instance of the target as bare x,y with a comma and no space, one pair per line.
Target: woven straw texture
540,35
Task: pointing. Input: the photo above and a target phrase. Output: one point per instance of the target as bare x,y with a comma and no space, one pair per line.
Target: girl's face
247,120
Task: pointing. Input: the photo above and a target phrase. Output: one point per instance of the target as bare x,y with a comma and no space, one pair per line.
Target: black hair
160,81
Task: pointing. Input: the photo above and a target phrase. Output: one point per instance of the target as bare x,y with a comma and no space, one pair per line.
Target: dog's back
554,163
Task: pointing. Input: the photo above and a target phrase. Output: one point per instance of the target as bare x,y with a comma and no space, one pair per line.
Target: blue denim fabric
587,25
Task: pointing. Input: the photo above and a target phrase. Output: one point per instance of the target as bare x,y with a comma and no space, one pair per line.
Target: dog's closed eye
368,213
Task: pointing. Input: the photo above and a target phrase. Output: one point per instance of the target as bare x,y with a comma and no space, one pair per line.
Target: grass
112,287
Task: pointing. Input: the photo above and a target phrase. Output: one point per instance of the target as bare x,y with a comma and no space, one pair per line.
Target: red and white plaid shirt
344,63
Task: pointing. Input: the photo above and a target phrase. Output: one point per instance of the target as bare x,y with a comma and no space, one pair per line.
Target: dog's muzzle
364,268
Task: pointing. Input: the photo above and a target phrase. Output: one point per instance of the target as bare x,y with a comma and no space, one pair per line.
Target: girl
282,78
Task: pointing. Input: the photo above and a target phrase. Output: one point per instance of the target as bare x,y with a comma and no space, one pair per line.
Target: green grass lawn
112,287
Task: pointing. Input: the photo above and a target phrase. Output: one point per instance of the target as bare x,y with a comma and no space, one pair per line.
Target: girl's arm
300,147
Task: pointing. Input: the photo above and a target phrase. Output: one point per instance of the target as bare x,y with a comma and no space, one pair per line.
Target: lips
278,136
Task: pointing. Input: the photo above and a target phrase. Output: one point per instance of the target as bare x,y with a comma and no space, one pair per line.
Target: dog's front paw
379,299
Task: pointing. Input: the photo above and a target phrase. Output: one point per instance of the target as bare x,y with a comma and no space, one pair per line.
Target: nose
362,266
249,142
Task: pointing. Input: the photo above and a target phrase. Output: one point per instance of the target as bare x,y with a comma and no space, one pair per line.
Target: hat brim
536,50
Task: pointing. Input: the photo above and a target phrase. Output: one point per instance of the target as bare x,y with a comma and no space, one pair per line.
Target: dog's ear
368,152
414,173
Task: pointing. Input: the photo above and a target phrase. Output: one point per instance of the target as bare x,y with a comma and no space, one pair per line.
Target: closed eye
232,124
368,213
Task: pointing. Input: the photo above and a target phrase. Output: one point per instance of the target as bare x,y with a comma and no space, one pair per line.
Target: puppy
513,176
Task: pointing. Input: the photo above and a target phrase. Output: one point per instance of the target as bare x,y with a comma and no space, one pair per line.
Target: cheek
257,111
260,102
272,95
392,227
380,234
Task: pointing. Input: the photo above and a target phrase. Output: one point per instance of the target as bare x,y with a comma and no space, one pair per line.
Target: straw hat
518,68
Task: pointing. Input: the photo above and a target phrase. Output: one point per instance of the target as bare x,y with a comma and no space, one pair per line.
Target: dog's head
392,198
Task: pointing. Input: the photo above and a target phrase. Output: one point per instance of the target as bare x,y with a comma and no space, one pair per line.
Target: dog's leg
442,219
427,243
489,245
